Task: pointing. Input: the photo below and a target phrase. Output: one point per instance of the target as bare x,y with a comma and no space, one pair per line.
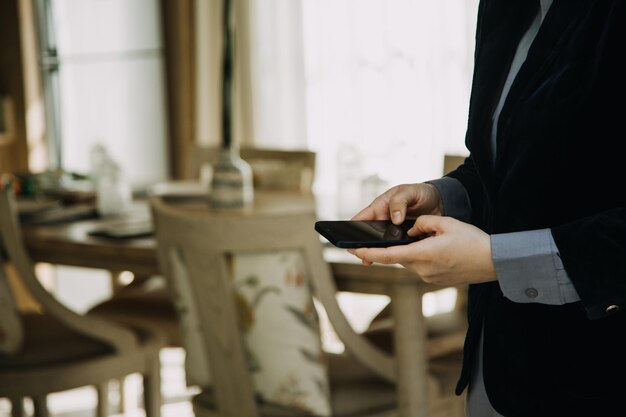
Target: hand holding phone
350,234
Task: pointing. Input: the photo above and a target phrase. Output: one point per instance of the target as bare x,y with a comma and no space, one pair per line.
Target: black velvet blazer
560,164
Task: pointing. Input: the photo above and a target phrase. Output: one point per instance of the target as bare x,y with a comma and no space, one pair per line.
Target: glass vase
231,185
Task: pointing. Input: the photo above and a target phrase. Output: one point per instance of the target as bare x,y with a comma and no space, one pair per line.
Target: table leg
411,355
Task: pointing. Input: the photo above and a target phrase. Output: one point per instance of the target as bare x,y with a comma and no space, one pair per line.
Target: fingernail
396,215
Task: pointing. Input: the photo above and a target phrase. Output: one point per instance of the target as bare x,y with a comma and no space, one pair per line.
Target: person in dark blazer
535,218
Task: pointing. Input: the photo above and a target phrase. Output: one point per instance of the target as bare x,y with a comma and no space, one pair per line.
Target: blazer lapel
500,28
554,31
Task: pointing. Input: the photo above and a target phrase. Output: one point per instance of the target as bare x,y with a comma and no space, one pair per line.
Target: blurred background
378,89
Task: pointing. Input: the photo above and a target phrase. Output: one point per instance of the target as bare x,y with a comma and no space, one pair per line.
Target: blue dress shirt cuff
456,202
529,268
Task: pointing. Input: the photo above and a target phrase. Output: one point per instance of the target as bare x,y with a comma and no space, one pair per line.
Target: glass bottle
231,185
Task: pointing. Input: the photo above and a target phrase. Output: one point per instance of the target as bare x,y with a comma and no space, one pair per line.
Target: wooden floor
82,402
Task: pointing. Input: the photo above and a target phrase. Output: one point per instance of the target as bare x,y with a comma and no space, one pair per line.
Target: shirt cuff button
531,293
612,309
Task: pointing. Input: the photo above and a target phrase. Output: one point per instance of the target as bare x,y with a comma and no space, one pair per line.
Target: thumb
428,224
398,204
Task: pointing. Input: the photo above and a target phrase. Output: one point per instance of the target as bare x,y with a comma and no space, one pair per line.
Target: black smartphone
348,234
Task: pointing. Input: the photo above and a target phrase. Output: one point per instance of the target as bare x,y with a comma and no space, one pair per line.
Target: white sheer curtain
278,74
381,94
378,88
387,90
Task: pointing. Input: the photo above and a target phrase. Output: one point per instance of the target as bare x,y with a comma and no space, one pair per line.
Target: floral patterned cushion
281,331
279,325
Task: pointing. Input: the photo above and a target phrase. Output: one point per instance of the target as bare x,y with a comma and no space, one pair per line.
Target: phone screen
366,233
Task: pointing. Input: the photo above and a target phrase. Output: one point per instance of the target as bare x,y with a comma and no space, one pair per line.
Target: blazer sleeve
593,251
593,247
468,176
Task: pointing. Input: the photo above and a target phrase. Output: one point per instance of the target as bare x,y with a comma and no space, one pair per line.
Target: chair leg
102,409
152,388
17,407
121,383
41,406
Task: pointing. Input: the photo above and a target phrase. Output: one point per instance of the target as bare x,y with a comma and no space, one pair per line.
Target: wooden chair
57,349
362,382
146,302
272,169
452,162
149,303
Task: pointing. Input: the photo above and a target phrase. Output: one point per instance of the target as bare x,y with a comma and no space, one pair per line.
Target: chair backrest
12,251
452,162
271,168
206,245
11,331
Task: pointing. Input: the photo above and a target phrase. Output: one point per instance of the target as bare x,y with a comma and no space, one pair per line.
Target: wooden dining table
71,243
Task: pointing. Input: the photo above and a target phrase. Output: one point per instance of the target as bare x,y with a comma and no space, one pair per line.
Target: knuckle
426,271
401,191
386,259
430,277
398,198
425,277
